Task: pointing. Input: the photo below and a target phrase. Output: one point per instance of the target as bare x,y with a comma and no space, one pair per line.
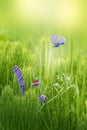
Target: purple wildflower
20,78
42,98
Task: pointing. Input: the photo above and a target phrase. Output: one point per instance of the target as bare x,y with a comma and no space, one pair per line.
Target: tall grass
66,107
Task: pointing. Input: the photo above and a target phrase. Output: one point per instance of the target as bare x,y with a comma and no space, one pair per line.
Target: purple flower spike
20,78
42,98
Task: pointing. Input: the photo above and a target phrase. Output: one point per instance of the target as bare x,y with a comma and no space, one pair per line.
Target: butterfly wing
55,40
62,40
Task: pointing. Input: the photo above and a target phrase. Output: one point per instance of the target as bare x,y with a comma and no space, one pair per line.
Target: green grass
66,107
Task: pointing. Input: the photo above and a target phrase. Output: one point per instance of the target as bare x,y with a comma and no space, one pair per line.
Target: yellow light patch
62,13
68,14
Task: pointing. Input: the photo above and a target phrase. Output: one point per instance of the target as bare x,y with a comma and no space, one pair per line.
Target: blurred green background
22,19
25,30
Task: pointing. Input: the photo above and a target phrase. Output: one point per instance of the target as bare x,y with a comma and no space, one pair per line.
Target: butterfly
57,41
35,83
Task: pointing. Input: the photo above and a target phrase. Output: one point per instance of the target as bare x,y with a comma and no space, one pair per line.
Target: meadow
66,106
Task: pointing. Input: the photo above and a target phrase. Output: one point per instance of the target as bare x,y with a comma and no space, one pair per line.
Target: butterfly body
58,44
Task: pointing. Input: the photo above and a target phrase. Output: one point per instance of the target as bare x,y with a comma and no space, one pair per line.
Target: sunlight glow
56,12
31,9
69,14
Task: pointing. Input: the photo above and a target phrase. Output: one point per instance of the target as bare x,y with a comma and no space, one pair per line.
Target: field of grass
66,106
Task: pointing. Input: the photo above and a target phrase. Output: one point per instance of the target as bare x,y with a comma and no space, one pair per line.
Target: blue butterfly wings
57,41
58,44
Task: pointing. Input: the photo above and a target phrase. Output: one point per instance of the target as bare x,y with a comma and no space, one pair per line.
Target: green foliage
66,107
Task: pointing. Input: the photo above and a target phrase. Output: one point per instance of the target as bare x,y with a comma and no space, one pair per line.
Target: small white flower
68,79
55,85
